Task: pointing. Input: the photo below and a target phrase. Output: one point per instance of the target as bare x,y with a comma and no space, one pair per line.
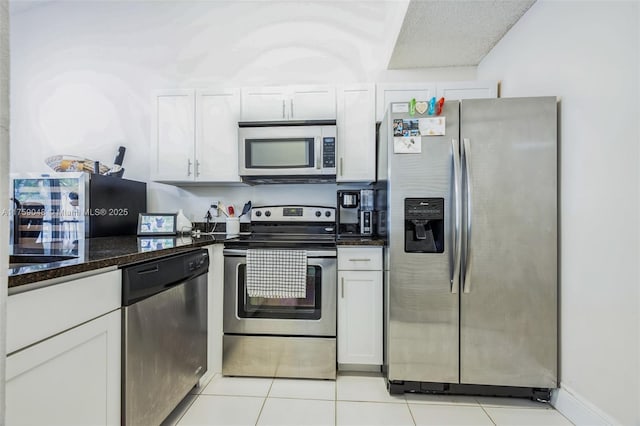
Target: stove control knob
327,213
258,213
318,214
267,213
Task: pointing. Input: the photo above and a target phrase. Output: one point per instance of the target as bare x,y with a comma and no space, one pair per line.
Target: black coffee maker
355,213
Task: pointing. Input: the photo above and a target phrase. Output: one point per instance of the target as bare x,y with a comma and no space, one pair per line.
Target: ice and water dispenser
424,225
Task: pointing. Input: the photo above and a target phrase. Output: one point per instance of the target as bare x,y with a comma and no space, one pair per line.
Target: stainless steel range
280,295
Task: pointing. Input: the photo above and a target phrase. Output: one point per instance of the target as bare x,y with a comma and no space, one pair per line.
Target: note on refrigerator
432,126
407,145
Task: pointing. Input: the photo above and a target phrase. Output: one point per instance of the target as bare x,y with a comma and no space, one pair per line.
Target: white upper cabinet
264,103
216,149
401,92
452,90
173,135
288,103
356,141
312,103
195,136
476,89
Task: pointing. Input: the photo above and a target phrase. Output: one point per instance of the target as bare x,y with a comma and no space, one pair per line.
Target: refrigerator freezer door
422,319
508,306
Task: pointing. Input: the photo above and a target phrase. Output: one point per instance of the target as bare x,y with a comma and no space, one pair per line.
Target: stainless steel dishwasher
164,339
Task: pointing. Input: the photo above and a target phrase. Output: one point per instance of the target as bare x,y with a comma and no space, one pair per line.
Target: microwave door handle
318,150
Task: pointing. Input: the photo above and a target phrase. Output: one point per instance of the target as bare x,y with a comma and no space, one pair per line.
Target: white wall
587,54
4,188
83,72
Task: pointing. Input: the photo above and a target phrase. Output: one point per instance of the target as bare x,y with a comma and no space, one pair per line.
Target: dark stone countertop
103,252
360,241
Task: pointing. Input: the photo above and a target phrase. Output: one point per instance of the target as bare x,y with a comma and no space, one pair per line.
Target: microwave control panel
328,153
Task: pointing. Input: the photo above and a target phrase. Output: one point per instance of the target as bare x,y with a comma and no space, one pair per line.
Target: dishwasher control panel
200,260
142,280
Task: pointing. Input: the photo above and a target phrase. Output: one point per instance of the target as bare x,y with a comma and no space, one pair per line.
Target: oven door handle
310,253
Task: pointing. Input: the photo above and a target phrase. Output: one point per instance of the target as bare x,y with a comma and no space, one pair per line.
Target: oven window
279,153
298,308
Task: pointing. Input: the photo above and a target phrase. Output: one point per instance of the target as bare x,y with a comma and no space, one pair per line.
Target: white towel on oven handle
277,274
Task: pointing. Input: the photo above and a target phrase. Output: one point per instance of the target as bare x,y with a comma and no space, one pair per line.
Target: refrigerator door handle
466,282
457,225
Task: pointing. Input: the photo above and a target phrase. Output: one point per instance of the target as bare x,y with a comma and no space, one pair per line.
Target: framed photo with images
156,224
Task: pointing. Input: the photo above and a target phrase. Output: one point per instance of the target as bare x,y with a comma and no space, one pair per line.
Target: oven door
314,315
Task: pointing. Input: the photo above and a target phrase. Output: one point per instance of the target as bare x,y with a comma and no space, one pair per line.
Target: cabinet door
356,142
173,136
216,155
264,103
360,317
401,92
312,103
69,379
457,90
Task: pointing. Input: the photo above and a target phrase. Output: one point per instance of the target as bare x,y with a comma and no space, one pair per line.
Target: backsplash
195,201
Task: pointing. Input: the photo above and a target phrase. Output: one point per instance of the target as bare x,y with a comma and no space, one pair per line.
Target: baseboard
577,409
362,368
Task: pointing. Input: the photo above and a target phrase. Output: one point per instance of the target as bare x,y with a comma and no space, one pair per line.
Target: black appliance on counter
59,208
355,215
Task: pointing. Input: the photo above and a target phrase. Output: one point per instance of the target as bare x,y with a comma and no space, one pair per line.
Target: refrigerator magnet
421,107
407,145
400,107
432,126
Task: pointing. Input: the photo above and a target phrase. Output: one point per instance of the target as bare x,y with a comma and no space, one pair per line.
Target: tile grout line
413,419
487,413
265,401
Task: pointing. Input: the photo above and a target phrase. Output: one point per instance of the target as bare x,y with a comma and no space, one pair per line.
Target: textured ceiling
441,33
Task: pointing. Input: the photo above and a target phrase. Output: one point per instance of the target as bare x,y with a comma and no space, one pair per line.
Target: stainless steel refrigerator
471,262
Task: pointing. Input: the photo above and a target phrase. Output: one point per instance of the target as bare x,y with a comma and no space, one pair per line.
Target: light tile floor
353,399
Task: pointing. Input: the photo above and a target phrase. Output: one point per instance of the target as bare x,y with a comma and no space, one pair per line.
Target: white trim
578,409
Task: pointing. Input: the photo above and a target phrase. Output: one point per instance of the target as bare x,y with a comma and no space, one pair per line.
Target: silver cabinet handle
283,115
291,111
340,166
360,260
342,287
466,284
457,199
197,168
188,166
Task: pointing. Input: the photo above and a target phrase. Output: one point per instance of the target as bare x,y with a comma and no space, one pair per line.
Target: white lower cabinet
360,309
72,378
63,345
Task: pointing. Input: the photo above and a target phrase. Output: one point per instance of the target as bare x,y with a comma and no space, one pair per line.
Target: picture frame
150,224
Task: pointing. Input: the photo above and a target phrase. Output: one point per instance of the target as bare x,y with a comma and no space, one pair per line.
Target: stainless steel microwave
287,151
